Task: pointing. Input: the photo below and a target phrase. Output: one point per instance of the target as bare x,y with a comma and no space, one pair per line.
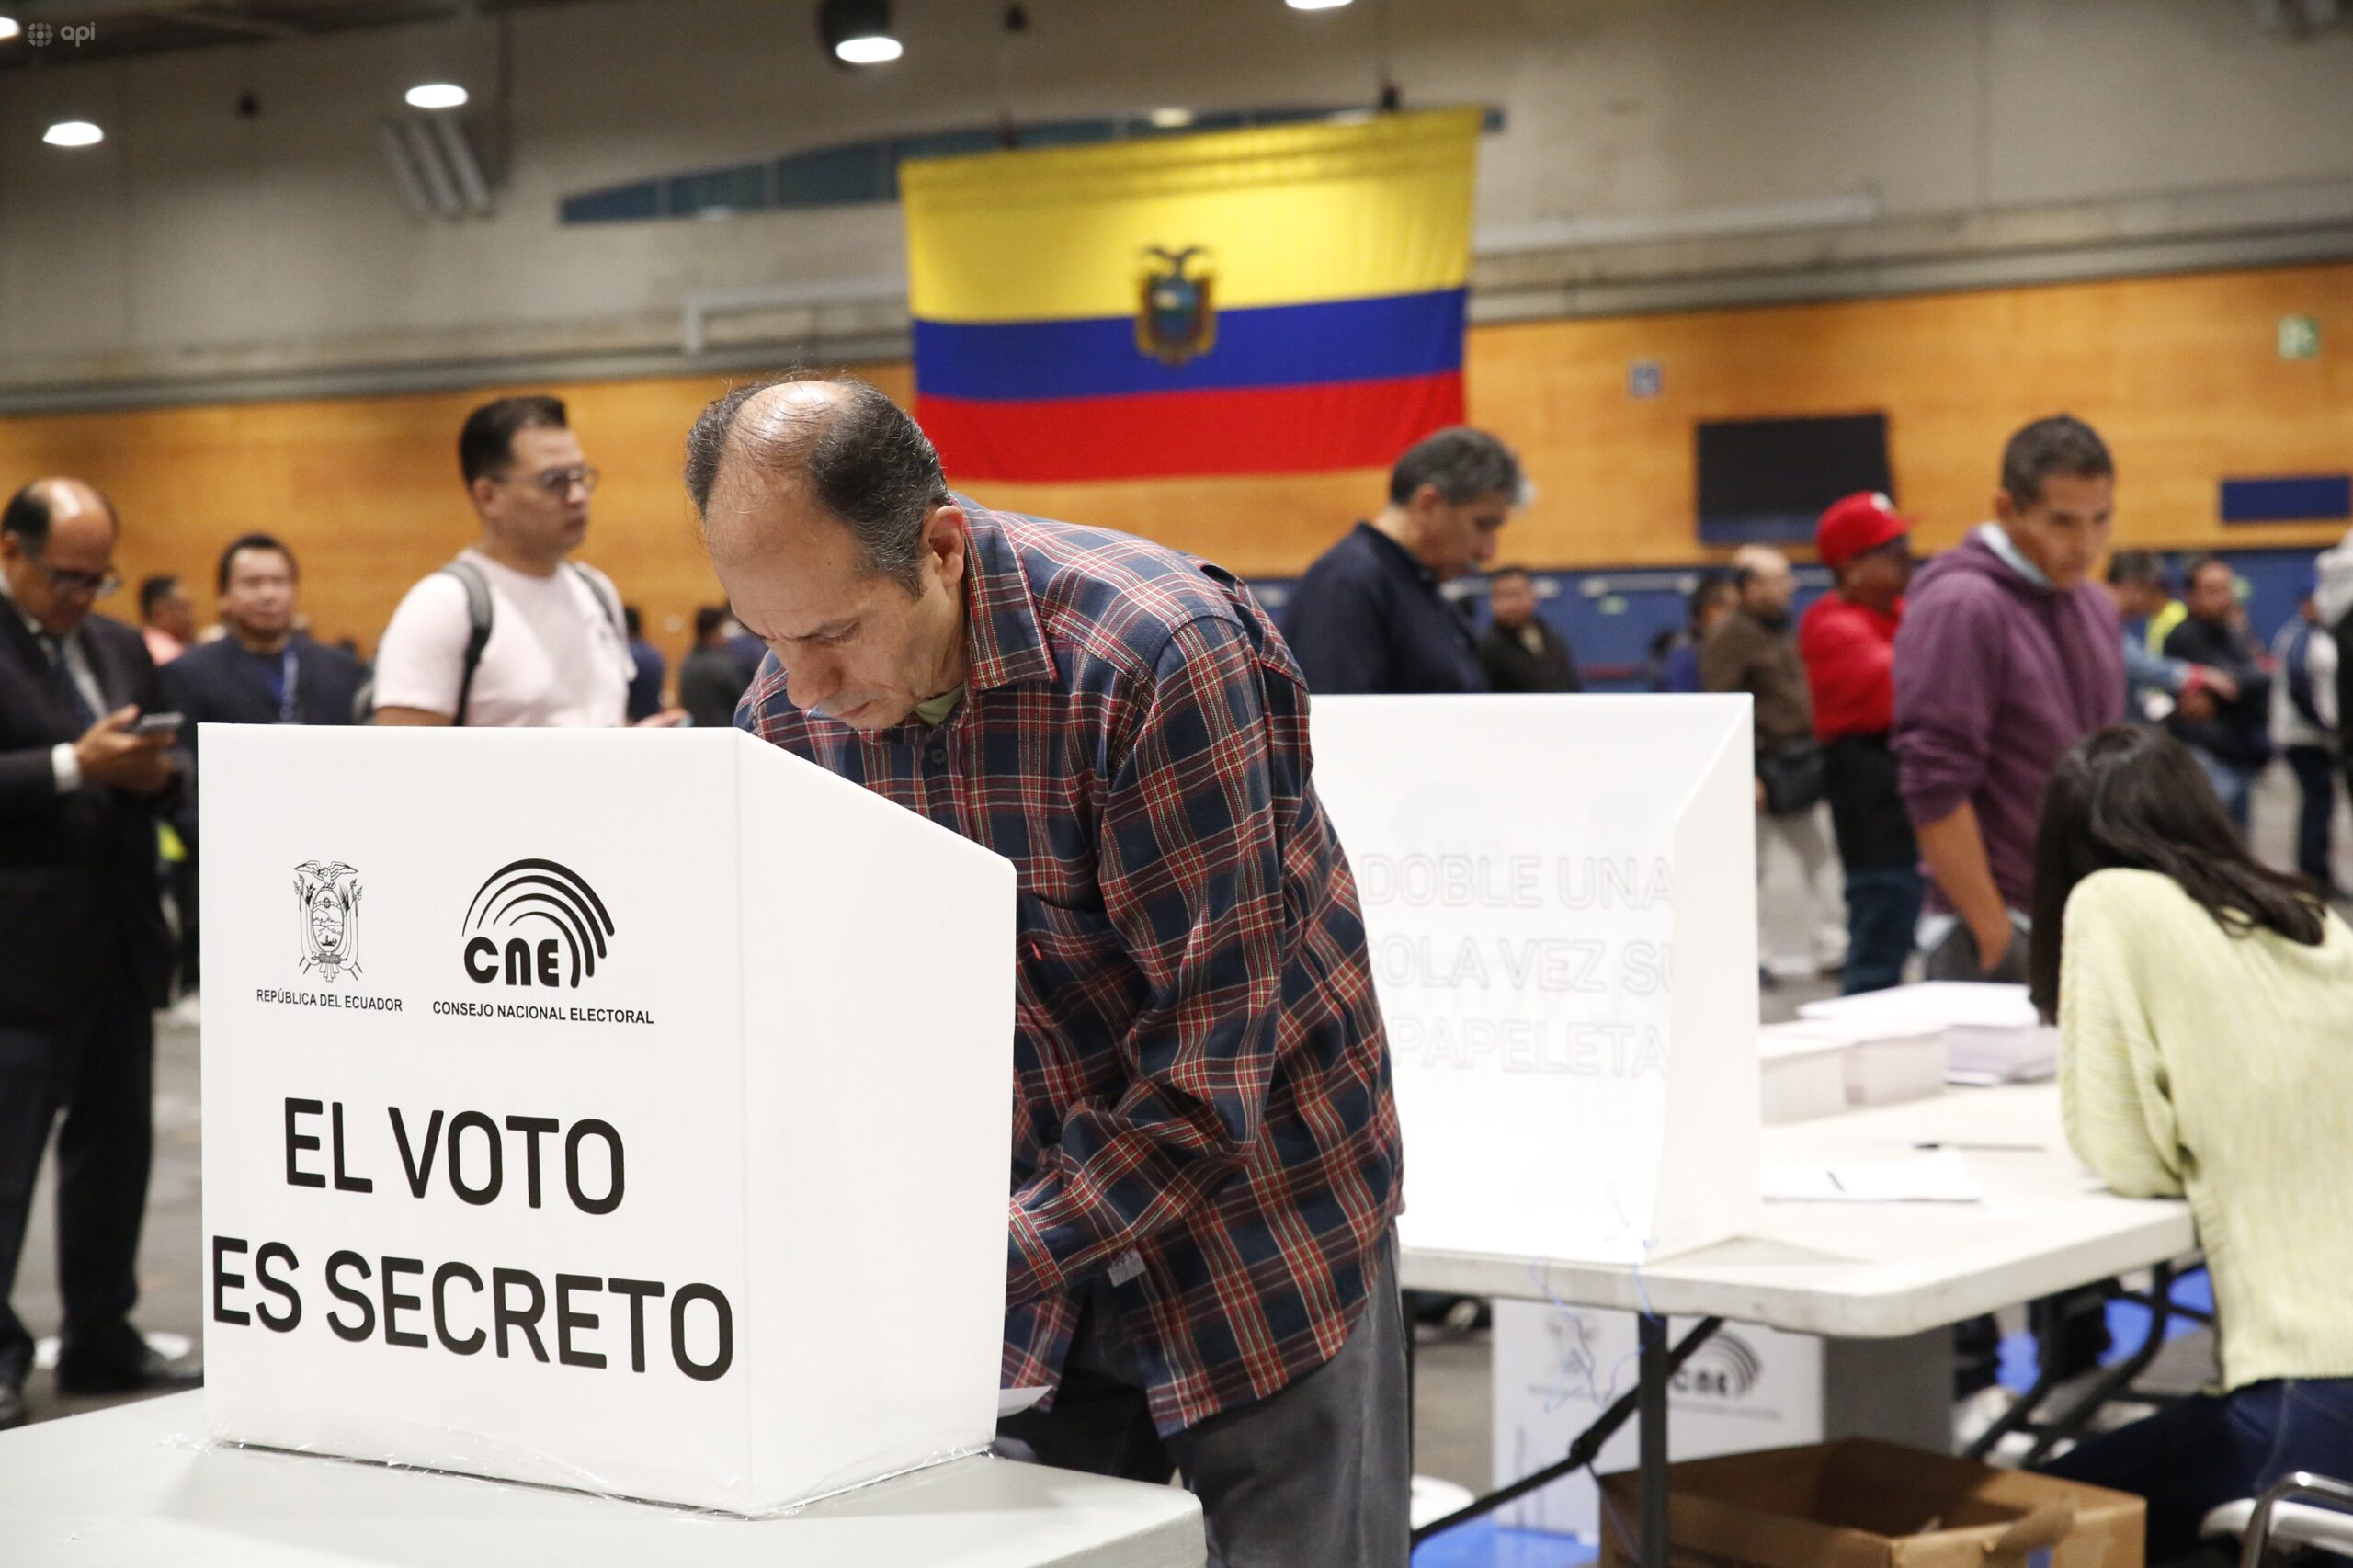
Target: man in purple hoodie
2008,656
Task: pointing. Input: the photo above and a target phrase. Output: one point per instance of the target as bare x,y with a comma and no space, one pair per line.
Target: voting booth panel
1560,893
1557,1369
619,1110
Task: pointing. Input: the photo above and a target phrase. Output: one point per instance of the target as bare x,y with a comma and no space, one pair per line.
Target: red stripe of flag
1295,429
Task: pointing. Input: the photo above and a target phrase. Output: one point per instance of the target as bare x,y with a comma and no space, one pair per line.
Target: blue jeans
2195,1456
1883,912
2233,784
2315,770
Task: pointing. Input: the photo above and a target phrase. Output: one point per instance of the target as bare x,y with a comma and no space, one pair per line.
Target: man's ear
944,540
2006,510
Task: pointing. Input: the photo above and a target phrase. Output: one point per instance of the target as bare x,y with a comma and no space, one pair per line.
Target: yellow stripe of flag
1290,215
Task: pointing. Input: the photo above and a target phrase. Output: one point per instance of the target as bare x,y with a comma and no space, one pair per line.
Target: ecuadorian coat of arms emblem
326,899
1176,313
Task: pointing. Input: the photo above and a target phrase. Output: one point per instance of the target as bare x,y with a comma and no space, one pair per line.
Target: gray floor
1451,1435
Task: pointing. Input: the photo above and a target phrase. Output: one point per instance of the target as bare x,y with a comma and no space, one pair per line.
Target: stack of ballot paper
1991,1032
1875,1062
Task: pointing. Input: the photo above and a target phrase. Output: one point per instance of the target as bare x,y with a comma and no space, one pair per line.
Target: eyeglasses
96,584
560,481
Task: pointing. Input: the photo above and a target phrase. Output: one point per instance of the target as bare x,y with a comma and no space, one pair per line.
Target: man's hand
668,719
2196,703
2218,683
1994,944
109,755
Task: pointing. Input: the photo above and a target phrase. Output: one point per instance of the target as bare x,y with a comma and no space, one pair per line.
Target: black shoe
149,1374
12,1407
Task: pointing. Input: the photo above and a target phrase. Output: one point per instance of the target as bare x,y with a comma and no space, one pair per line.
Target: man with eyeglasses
513,633
87,958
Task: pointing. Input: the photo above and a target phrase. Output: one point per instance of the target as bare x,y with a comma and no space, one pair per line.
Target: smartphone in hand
156,725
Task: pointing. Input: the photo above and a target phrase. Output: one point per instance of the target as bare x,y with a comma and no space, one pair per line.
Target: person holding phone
82,922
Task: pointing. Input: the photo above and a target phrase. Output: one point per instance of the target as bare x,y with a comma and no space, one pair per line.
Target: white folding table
132,1485
1855,1271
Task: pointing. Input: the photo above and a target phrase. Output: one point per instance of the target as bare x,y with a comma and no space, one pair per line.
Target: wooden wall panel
2181,374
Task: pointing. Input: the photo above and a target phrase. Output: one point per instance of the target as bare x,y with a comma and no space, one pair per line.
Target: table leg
1652,1436
1587,1448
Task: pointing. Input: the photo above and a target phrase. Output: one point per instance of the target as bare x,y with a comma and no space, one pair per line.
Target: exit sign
2300,337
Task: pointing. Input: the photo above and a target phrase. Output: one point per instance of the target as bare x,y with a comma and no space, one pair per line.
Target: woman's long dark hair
2133,796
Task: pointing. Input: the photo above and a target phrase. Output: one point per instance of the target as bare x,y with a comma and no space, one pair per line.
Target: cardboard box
1860,1503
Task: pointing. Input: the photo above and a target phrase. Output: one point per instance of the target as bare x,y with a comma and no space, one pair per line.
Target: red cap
1856,523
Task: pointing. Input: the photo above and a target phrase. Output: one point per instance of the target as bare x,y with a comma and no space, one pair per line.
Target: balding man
80,921
1205,1151
1752,652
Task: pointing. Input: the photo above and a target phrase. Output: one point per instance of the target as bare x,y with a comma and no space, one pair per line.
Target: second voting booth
1560,893
617,1111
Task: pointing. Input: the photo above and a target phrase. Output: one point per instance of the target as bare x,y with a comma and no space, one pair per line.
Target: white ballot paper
1940,1178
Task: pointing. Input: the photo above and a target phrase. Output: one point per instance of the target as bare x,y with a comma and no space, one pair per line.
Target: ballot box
617,1110
1560,895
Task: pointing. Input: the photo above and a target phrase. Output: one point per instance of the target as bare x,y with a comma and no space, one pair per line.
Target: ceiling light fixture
858,32
9,29
1170,119
73,134
437,95
1317,4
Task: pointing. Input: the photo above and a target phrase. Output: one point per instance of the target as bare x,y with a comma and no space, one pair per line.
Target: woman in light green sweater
2205,1011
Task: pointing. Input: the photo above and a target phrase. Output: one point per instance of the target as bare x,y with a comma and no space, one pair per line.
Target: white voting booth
619,1110
1561,897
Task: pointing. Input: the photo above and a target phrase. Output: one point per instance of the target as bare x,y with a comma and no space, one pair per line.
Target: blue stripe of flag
1270,345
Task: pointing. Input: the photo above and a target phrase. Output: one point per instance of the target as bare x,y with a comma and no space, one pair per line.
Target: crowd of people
2028,774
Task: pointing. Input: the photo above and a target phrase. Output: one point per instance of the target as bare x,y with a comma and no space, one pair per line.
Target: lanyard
289,668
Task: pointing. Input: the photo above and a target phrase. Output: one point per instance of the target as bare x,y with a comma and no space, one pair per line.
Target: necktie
68,688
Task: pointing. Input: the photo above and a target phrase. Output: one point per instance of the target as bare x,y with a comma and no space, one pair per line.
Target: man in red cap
1847,641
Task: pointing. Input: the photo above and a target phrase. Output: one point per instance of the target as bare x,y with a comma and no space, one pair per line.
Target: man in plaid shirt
1205,1148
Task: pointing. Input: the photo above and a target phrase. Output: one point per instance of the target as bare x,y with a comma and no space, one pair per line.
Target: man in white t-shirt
556,656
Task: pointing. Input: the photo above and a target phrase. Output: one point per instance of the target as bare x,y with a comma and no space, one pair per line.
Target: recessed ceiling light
1170,119
8,28
1317,4
875,49
73,134
437,95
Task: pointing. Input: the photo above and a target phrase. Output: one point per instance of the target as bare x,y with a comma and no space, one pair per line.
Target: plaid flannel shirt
1201,1108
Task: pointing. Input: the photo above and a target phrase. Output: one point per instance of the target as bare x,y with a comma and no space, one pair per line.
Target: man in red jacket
1847,641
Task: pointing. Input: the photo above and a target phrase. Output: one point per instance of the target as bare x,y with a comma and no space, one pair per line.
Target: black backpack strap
478,614
604,595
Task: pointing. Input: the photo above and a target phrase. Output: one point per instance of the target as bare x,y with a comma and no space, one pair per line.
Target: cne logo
502,939
1726,1368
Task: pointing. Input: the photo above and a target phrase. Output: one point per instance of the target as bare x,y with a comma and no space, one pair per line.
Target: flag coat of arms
1281,300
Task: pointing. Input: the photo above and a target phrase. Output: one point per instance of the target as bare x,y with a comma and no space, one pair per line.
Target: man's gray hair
866,462
1464,463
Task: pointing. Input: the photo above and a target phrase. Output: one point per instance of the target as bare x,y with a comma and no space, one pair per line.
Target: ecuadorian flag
1270,300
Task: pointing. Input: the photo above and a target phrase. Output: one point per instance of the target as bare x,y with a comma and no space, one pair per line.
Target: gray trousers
1315,1475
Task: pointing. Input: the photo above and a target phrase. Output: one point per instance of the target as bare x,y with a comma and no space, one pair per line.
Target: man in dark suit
82,925
263,671
1519,651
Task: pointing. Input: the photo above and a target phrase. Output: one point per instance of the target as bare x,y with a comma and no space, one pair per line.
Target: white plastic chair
2301,1510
